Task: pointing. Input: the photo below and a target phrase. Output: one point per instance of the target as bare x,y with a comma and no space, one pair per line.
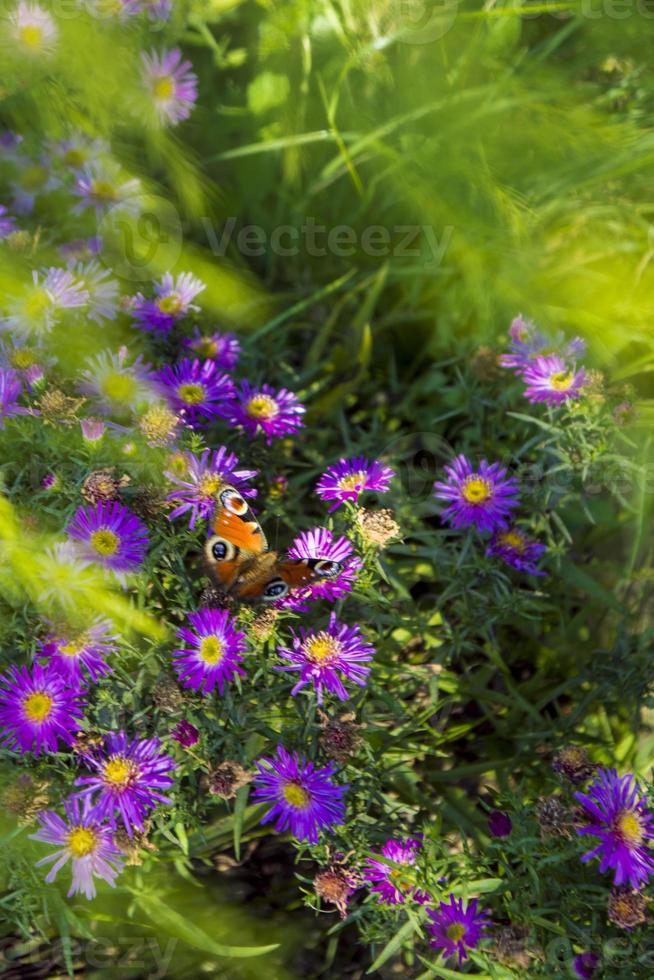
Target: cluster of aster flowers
546,365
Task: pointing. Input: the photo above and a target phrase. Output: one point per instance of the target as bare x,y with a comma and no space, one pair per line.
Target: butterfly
240,563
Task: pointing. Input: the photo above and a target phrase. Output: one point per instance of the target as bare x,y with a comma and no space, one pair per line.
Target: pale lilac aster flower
38,710
110,534
196,390
320,543
482,498
92,429
385,872
349,478
7,223
171,83
456,927
211,656
223,348
204,477
102,303
527,343
128,778
10,143
516,549
84,842
75,655
618,817
173,301
103,186
551,379
117,385
81,249
264,410
33,29
52,291
32,178
304,799
28,360
10,391
321,658
77,151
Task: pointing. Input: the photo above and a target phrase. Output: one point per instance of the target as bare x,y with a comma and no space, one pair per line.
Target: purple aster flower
185,733
33,29
483,497
77,150
72,656
7,223
499,823
619,818
118,386
386,872
103,186
28,360
223,348
349,478
319,542
110,534
38,709
84,842
171,83
128,779
173,301
81,249
456,928
196,390
515,549
265,410
52,291
585,965
527,343
321,657
304,799
10,391
212,655
102,303
51,481
550,379
204,477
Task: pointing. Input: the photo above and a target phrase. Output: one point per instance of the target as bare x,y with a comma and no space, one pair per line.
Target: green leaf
239,811
405,932
268,90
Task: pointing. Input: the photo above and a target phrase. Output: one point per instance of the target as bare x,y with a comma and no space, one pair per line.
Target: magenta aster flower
320,543
110,534
585,965
550,379
196,390
38,709
304,799
212,654
84,842
171,83
128,779
527,343
618,816
73,656
515,549
223,348
456,928
7,223
10,391
173,301
265,410
321,657
483,497
203,478
386,871
185,733
349,478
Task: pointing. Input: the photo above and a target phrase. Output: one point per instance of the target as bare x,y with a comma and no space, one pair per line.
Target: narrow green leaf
240,804
394,944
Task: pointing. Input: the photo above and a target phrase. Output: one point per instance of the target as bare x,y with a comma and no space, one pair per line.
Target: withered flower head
25,797
624,413
101,485
57,408
512,946
553,817
377,527
226,779
627,908
131,846
485,362
159,425
339,738
215,599
335,885
573,763
167,694
148,502
263,624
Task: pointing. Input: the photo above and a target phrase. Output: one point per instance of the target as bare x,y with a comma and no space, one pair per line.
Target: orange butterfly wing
236,539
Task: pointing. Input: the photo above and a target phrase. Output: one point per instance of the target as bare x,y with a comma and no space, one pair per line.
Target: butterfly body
240,563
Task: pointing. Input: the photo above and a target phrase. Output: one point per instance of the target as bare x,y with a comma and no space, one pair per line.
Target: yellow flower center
209,486
262,407
23,359
170,304
37,303
296,795
562,380
75,157
32,36
119,771
158,422
178,464
455,932
322,648
205,347
72,649
355,481
105,542
476,490
211,650
33,177
37,706
191,394
164,88
630,827
118,386
81,842
103,189
512,539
